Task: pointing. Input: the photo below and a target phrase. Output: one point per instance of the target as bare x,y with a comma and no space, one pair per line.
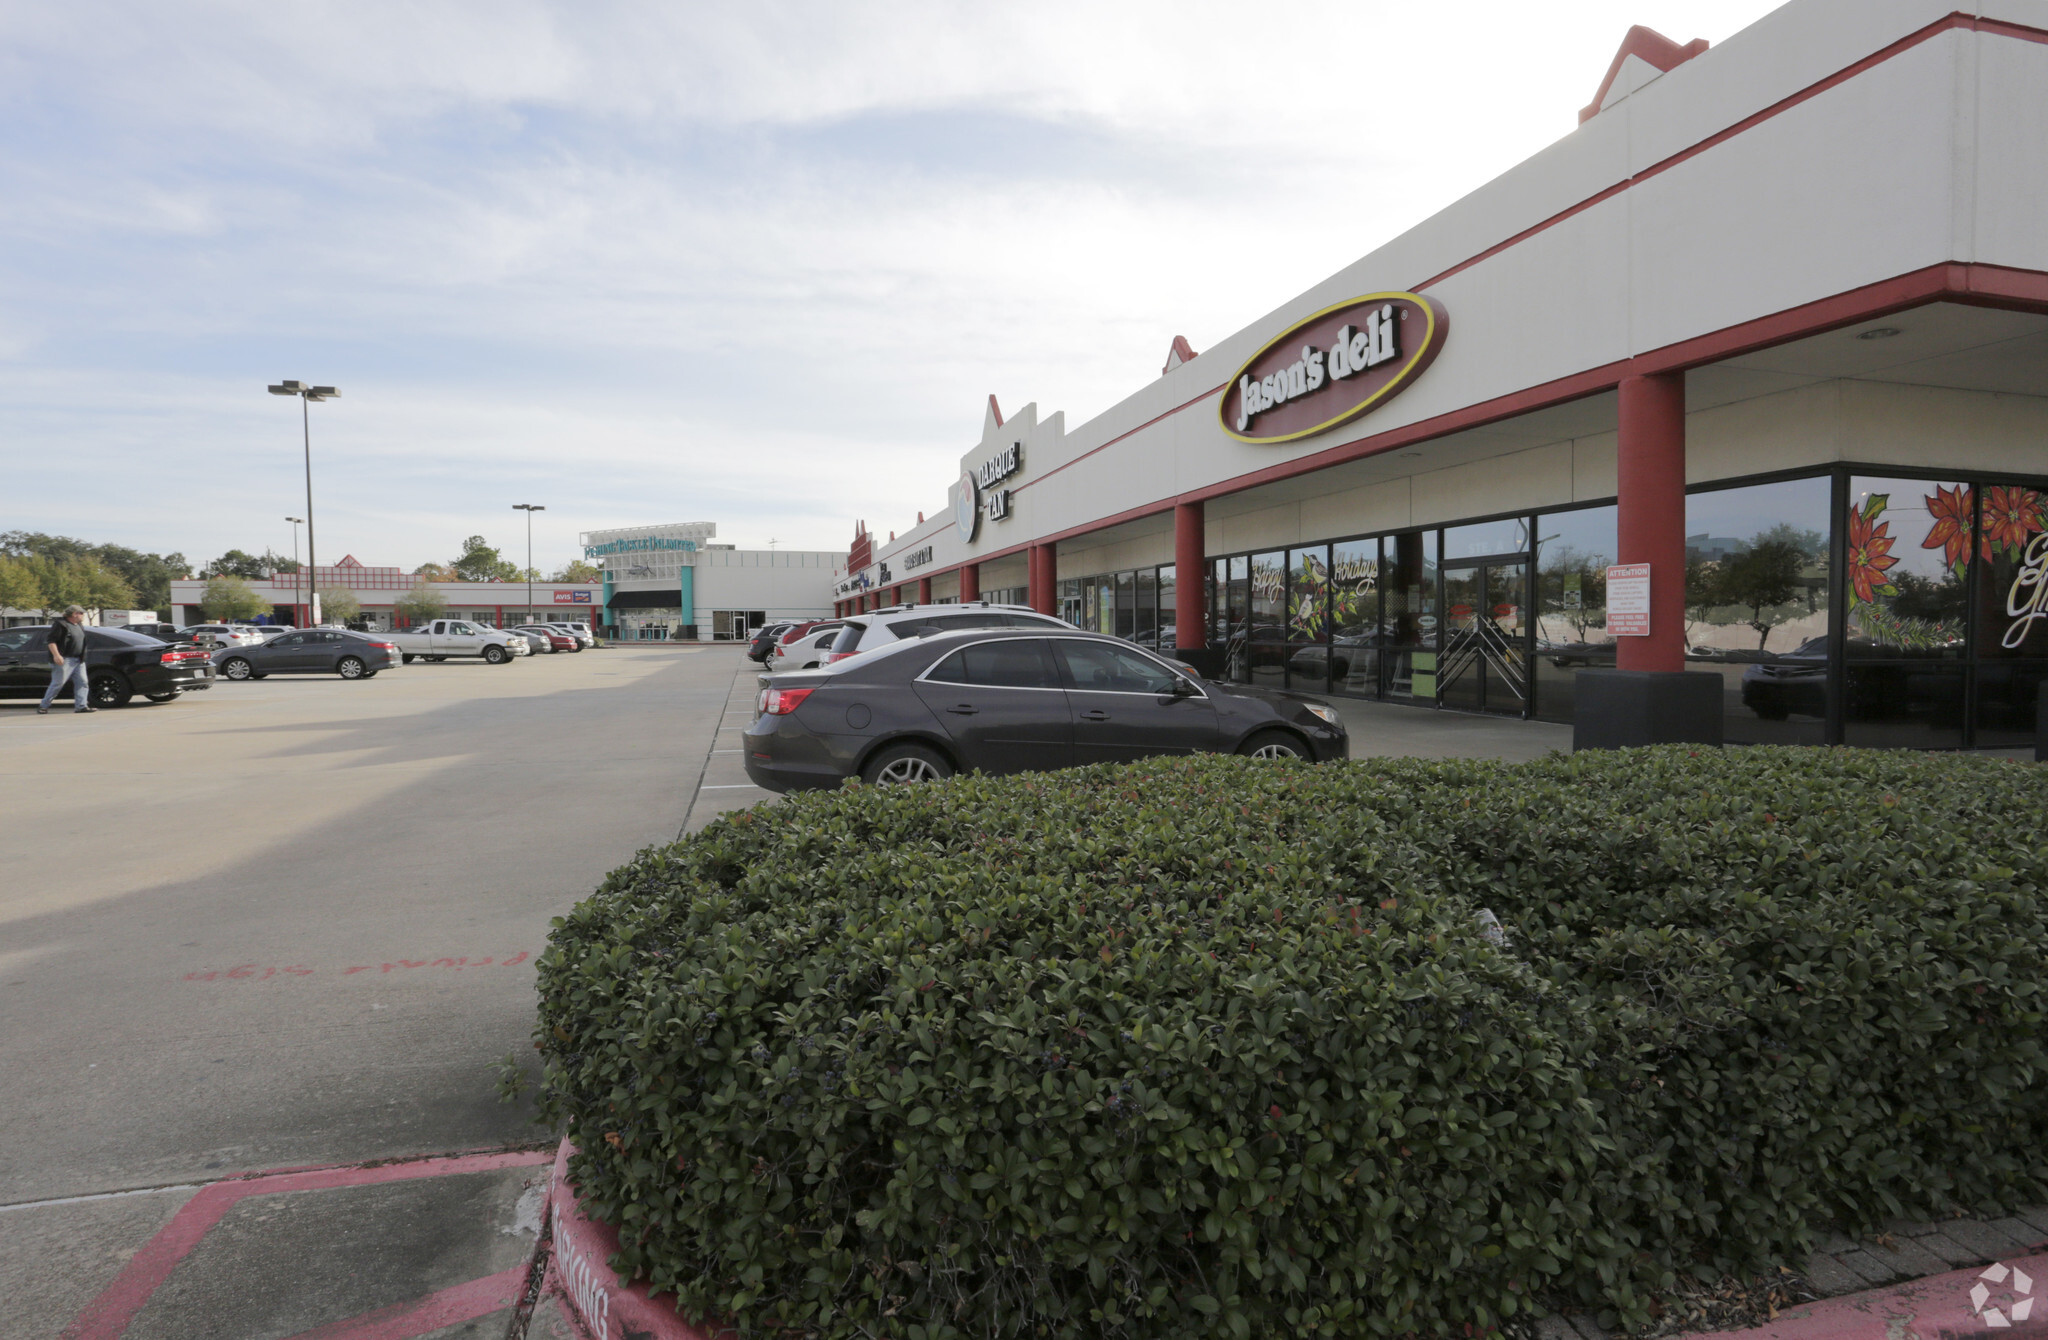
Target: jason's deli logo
1333,366
1354,351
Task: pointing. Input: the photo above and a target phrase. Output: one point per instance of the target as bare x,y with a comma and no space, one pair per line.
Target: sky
759,265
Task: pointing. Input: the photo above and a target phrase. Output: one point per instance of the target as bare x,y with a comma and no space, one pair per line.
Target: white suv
879,628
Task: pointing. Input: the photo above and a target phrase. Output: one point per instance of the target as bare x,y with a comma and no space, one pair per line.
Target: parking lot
291,924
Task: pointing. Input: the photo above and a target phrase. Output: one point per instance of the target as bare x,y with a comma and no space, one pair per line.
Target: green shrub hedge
1210,1046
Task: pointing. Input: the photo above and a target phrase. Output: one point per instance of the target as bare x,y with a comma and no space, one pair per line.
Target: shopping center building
378,590
1747,377
672,582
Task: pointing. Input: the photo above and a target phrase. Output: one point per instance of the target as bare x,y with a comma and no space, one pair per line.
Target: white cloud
753,264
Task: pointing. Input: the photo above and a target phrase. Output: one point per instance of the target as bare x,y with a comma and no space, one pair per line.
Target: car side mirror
1181,688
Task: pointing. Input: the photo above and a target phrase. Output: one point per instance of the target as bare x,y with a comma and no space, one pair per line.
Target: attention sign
1628,600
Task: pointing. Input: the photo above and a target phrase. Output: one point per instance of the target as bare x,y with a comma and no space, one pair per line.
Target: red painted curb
579,1271
1938,1307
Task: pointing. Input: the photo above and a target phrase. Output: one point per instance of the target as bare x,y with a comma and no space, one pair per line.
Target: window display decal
1333,366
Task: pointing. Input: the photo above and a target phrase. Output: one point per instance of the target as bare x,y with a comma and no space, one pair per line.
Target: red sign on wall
572,597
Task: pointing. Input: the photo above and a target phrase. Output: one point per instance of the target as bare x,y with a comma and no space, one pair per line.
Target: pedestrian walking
67,661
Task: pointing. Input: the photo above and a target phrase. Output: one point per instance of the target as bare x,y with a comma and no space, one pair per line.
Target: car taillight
832,656
385,646
781,702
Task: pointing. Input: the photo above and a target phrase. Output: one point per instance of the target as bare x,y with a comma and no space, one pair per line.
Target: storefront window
2012,613
1264,656
1355,618
1126,605
1573,553
1757,606
1487,537
1105,604
1070,602
1409,595
1237,604
1169,610
1308,623
1906,569
1148,608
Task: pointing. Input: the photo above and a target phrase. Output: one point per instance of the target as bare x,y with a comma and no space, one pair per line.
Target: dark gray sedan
1014,700
317,651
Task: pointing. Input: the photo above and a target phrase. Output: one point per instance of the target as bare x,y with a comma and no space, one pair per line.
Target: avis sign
1333,366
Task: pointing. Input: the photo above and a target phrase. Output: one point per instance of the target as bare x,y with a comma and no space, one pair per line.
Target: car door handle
1095,714
963,709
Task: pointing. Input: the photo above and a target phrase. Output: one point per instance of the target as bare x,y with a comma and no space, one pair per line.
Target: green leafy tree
148,576
481,563
421,603
21,587
228,598
436,572
100,587
578,570
235,563
338,604
1763,579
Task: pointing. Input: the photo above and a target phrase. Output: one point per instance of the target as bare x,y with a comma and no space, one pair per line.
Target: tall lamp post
307,395
529,509
296,523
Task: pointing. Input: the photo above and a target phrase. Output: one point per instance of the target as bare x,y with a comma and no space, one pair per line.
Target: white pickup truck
443,638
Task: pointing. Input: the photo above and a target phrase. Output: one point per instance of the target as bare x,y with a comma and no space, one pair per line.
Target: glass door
1484,666
1408,663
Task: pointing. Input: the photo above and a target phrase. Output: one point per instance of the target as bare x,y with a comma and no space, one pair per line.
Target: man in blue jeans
67,661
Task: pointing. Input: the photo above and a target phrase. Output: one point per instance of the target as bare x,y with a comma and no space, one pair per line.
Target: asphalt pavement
290,925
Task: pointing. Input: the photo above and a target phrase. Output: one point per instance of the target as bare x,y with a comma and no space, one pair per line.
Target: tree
21,587
481,563
578,570
235,563
1760,579
436,572
101,588
229,598
148,576
338,604
421,603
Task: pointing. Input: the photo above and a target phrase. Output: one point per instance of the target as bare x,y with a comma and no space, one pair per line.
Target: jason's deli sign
1333,366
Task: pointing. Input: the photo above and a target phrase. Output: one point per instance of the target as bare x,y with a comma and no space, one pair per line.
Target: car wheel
350,667
902,764
577,647
236,668
171,696
406,659
1271,744
369,674
495,656
111,691
433,660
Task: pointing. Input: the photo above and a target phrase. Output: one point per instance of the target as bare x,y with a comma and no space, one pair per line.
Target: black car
118,665
1013,700
763,645
317,651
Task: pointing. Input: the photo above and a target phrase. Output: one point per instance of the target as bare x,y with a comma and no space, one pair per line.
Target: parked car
440,639
806,650
273,630
316,651
119,664
537,643
765,638
1003,700
227,634
879,628
162,632
548,638
580,631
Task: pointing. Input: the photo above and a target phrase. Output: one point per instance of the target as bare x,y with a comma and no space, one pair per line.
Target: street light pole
529,509
296,523
307,395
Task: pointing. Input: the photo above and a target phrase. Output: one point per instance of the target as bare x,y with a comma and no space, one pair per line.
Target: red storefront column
924,590
970,581
1651,506
1044,578
1190,570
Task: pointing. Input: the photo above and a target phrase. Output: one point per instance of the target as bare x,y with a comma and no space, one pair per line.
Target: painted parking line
108,1316
446,1307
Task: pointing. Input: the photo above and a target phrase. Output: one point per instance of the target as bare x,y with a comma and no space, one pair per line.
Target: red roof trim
1177,353
995,409
1651,47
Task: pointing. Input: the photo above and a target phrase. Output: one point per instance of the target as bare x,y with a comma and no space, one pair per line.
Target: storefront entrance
1484,664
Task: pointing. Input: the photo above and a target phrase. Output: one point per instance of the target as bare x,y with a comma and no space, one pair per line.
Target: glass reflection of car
1020,699
316,651
1882,682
